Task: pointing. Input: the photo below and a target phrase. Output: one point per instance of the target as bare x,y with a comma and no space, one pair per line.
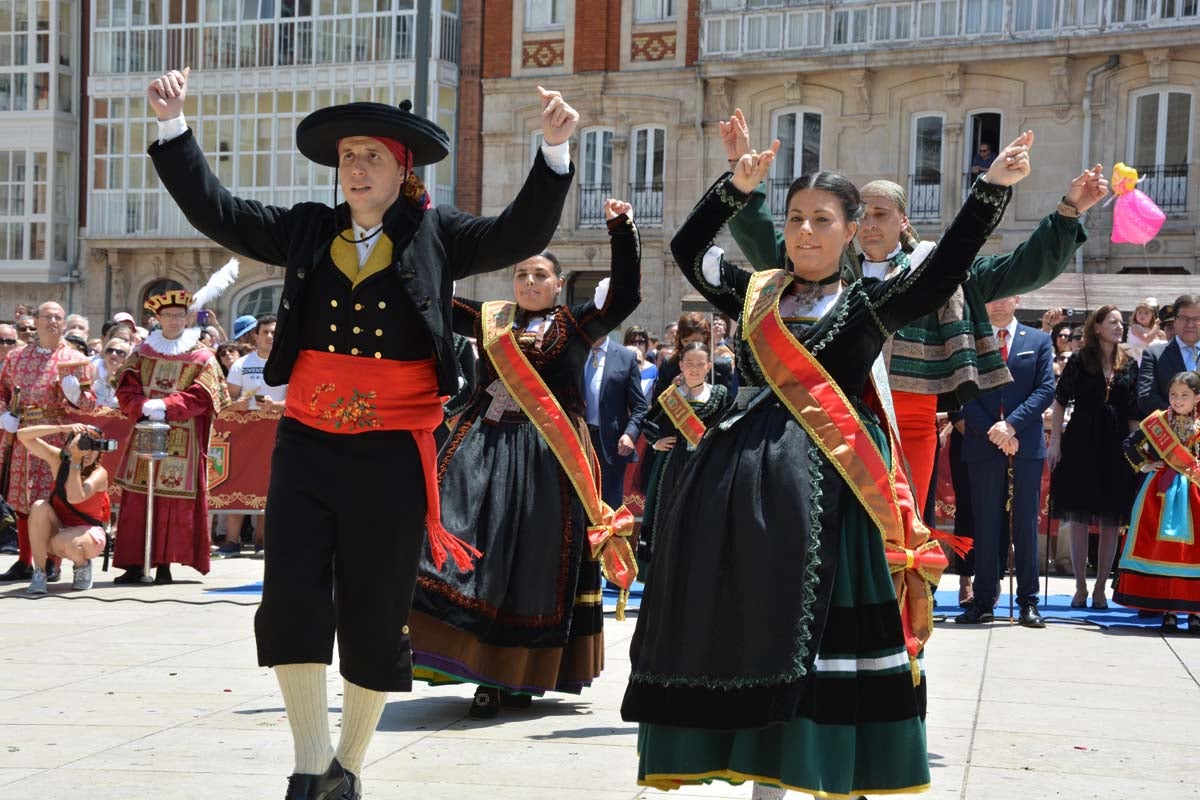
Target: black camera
86,442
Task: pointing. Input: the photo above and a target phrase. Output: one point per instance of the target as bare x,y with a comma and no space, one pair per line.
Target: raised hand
735,135
1012,163
558,118
1088,189
753,167
615,208
166,94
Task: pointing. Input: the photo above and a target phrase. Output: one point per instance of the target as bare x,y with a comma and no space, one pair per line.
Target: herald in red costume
184,378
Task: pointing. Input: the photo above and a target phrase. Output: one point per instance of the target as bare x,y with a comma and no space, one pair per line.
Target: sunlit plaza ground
134,699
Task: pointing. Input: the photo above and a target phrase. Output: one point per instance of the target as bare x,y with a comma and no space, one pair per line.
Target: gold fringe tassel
622,600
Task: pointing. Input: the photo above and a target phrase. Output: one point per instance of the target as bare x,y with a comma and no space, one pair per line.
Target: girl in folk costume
1160,563
951,352
770,645
520,483
171,377
676,423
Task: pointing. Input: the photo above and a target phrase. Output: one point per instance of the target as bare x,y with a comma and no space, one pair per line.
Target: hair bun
406,105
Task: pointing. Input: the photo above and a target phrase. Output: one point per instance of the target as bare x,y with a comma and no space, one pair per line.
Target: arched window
799,133
258,300
1160,133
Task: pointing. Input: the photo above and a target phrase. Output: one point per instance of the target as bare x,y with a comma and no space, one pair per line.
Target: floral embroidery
359,412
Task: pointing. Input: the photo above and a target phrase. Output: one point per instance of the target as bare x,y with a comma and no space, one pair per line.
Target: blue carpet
1058,608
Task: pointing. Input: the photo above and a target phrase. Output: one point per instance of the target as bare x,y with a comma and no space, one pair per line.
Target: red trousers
916,416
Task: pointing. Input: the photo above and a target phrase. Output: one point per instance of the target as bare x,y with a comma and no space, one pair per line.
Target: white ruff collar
186,342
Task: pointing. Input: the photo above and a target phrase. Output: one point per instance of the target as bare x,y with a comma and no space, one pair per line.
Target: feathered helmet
221,280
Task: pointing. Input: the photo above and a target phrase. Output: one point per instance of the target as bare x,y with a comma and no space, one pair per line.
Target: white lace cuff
558,156
711,266
600,296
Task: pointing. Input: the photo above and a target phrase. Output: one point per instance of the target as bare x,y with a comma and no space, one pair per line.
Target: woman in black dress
769,644
1091,481
529,619
669,444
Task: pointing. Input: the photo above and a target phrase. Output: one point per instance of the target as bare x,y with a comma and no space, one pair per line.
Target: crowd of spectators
241,352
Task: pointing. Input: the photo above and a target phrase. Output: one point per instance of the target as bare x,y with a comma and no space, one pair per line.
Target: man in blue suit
1000,429
1162,361
616,408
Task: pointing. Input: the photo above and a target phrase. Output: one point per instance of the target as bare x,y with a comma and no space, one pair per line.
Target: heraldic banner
239,456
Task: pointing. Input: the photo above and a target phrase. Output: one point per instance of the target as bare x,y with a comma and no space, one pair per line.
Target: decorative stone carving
793,88
860,79
1158,62
719,92
952,80
1060,81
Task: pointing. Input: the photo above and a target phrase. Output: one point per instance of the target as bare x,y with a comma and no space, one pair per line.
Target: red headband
399,152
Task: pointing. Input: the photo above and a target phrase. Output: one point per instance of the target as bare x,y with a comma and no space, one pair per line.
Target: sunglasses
8,341
115,351
1076,338
26,329
1064,335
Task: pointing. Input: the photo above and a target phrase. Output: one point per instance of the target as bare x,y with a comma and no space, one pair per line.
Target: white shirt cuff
711,265
171,129
558,156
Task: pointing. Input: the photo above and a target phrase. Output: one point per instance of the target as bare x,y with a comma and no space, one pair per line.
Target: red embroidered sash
1173,452
608,534
348,395
682,415
819,405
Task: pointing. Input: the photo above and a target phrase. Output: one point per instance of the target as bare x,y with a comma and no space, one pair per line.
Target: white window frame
912,161
945,18
894,9
1075,13
783,174
811,25
664,11
1148,6
641,168
536,21
763,33
591,171
1177,14
989,11
858,26
535,143
969,146
1034,7
1160,134
716,43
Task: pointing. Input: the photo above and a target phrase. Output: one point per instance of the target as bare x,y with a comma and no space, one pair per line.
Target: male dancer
364,342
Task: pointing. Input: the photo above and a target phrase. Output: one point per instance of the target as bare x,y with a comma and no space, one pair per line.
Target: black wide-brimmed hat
317,134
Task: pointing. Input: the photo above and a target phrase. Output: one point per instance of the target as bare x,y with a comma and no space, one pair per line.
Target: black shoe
53,570
162,575
19,571
975,616
1030,618
131,575
333,784
486,704
354,788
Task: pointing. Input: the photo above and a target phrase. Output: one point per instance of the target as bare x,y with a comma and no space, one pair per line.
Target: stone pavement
130,700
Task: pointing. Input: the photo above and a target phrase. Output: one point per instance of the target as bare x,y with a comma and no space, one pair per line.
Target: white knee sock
762,792
361,710
306,700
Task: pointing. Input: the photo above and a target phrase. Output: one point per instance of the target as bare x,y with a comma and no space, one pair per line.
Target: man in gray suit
1162,361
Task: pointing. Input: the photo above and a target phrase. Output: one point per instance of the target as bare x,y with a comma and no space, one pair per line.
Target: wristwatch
77,467
1067,209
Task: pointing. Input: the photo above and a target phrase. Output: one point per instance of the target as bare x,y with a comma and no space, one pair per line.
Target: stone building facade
905,91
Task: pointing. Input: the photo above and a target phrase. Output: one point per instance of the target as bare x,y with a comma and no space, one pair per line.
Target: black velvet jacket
411,299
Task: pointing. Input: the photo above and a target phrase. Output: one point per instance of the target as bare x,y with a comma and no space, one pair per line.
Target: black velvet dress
529,619
769,643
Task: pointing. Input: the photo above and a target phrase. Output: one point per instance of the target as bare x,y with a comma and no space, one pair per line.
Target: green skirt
851,739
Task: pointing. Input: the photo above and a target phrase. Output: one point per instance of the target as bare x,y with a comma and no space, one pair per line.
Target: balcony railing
777,189
775,28
924,197
1166,185
591,204
647,201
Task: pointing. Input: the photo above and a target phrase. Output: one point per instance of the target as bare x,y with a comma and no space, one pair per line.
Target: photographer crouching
71,524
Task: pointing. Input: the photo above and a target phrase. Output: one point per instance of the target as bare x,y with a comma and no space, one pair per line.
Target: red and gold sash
609,531
1174,453
819,405
682,415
